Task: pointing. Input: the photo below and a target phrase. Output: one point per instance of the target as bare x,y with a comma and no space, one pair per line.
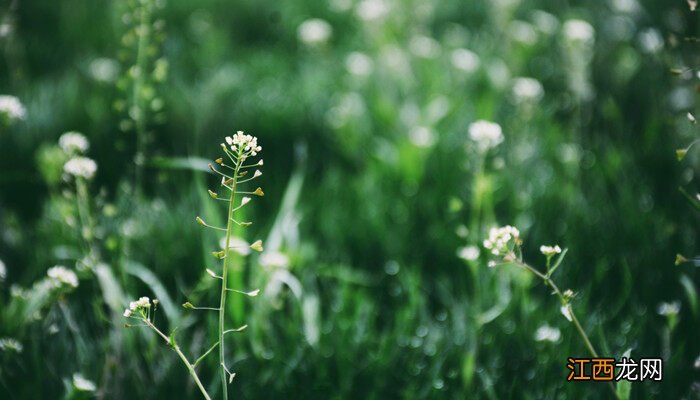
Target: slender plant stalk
224,281
182,356
548,281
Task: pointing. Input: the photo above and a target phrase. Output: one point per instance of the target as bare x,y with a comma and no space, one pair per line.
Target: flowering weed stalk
504,244
239,149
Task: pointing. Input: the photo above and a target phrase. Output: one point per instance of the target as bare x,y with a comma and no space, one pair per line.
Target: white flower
578,31
104,69
12,107
127,313
547,333
651,40
424,46
358,63
370,10
487,135
667,309
523,32
550,250
500,239
314,31
468,253
422,136
80,166
82,384
247,144
140,304
236,244
245,200
9,344
274,259
465,60
62,276
566,311
73,142
527,90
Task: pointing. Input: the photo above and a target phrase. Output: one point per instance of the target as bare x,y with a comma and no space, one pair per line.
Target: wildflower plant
504,244
235,170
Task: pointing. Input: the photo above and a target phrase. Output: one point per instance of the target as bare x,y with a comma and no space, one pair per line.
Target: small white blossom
247,144
73,142
566,312
578,31
12,108
140,304
62,276
550,250
314,32
80,167
359,64
527,90
465,60
104,69
82,384
371,10
274,259
547,333
245,200
468,253
9,344
487,135
667,309
500,239
424,46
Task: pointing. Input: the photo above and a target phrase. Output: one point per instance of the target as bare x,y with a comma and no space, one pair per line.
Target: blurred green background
375,194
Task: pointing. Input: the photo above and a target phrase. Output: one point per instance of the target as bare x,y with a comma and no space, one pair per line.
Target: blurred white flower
421,136
3,271
61,275
80,167
82,384
523,32
236,244
500,239
371,10
651,40
527,90
547,333
9,344
12,108
358,63
667,309
545,22
487,135
248,143
566,312
578,31
73,142
550,250
465,60
424,46
140,304
314,32
468,253
274,259
498,73
104,70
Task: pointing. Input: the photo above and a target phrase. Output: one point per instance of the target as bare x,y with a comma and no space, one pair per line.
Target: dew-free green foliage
396,134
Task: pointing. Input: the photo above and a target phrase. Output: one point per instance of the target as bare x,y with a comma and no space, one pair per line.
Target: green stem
182,356
224,283
565,301
141,64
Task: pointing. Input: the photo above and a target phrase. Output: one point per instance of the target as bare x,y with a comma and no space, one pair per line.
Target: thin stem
565,301
224,276
141,63
182,356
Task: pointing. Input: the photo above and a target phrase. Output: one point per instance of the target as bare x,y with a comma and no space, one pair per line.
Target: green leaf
624,387
558,262
111,289
691,293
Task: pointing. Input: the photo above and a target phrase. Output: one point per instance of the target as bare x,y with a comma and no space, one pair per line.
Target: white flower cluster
80,166
578,31
83,384
314,32
468,253
61,276
465,60
9,344
248,143
140,304
73,143
546,333
487,135
667,309
12,107
527,90
550,250
500,239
